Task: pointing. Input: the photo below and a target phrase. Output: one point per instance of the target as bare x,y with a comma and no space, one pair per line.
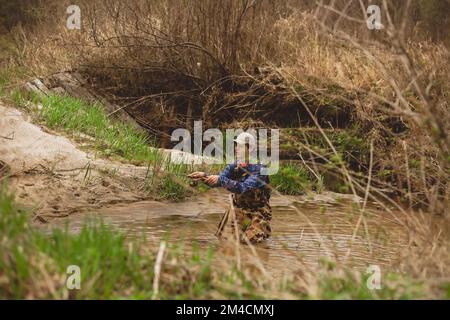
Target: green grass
112,137
174,184
292,179
352,147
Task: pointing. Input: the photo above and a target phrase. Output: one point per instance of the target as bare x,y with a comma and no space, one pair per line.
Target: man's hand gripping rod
194,181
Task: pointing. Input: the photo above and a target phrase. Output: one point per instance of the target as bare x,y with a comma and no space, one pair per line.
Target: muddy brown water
306,229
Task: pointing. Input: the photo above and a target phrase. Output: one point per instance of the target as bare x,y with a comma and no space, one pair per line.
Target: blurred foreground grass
33,265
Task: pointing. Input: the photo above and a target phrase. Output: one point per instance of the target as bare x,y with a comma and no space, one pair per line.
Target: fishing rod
223,221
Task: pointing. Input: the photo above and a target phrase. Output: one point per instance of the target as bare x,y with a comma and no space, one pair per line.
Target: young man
250,192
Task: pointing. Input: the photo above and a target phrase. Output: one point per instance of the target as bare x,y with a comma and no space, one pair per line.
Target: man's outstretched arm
255,181
213,180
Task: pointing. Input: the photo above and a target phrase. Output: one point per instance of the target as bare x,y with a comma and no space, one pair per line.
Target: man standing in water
250,192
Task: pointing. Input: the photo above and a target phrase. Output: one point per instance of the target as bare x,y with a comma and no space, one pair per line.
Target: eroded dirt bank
53,176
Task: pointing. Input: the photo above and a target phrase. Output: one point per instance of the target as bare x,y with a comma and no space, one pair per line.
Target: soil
50,173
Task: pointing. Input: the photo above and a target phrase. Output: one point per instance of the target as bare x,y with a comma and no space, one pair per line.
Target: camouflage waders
253,216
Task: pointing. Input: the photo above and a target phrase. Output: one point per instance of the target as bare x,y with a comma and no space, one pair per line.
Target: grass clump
173,184
292,179
111,137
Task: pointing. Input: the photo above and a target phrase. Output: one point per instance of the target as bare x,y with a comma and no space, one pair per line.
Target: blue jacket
253,180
